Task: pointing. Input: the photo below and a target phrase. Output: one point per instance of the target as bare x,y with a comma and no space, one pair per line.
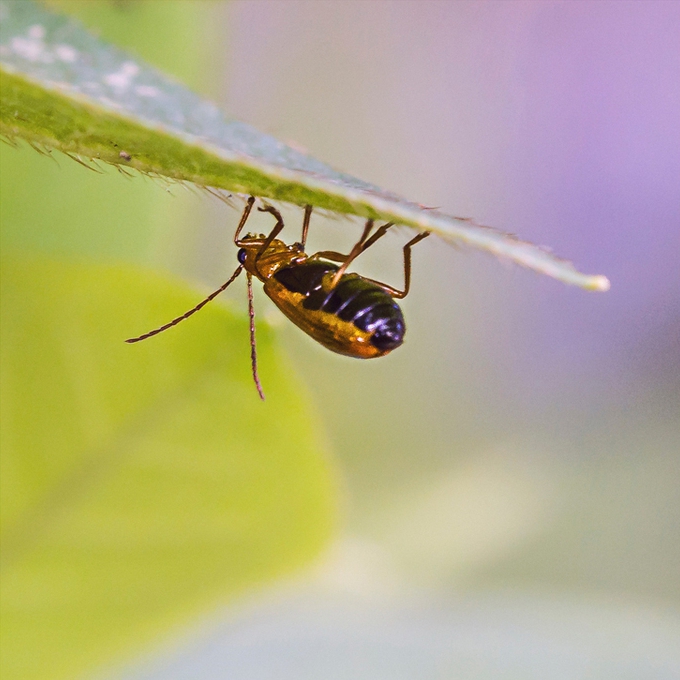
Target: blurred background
511,476
521,452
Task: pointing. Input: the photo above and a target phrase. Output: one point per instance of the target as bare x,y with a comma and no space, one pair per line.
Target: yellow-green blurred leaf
140,483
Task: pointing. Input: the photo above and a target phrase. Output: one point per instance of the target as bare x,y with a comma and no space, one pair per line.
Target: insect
347,313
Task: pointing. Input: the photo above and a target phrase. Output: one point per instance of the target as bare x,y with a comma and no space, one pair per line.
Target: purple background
522,450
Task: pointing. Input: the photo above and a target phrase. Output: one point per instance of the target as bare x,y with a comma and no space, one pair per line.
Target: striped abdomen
357,317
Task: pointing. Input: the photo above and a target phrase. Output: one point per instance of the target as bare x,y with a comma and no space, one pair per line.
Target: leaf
108,216
139,484
64,89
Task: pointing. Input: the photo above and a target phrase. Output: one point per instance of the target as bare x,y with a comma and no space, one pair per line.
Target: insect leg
353,254
186,315
274,232
305,225
339,257
328,255
253,349
244,219
407,269
277,227
378,234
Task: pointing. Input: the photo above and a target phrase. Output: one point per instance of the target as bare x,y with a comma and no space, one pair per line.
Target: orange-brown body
346,313
355,317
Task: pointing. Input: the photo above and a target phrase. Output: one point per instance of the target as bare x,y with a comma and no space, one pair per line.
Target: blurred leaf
61,208
141,483
65,89
184,39
65,210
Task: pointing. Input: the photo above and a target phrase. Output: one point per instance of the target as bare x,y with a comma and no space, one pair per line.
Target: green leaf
139,483
56,207
64,89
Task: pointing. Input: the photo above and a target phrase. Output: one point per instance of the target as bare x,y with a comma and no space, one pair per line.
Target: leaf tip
601,284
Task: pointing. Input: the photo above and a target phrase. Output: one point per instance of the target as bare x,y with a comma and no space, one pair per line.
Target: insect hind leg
359,247
394,292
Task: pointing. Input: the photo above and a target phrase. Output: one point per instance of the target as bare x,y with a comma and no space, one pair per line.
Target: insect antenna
186,315
253,349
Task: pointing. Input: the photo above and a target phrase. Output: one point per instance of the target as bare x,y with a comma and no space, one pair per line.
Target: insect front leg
244,219
274,232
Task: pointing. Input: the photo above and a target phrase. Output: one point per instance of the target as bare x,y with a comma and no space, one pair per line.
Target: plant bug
346,313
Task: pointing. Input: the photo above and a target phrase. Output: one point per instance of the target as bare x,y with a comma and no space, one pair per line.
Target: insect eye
242,256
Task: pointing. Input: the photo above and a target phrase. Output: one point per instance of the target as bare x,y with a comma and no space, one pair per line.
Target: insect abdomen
354,300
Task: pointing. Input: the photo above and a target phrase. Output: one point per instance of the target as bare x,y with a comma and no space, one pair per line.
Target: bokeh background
520,456
511,476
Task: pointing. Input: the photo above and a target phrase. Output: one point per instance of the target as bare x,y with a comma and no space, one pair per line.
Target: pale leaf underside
64,89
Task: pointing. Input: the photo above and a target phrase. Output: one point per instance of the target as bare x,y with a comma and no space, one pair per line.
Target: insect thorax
276,256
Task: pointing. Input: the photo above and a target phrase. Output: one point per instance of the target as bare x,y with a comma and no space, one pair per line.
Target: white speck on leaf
121,79
36,32
66,53
147,91
27,48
